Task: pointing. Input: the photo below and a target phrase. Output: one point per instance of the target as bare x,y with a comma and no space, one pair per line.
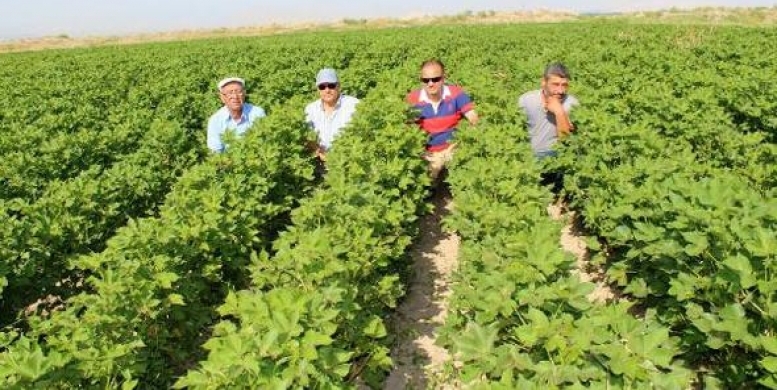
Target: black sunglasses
426,80
324,86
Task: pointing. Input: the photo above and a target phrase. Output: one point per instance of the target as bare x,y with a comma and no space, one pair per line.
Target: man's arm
214,137
472,117
312,145
522,104
466,106
257,113
563,125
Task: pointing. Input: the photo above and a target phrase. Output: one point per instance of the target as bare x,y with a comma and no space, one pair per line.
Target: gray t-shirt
542,124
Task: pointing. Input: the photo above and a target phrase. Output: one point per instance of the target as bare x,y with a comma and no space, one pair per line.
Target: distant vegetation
759,16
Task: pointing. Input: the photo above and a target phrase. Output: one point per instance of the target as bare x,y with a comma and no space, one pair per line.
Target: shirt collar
423,97
243,114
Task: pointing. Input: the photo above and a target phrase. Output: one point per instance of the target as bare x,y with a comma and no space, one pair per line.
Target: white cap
326,75
228,80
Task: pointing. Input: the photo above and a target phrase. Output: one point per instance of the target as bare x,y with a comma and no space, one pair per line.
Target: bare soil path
417,360
416,357
572,241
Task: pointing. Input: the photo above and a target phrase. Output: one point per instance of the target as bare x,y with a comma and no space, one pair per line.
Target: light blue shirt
328,126
220,122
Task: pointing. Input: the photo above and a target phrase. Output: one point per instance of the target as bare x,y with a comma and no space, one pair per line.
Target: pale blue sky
77,18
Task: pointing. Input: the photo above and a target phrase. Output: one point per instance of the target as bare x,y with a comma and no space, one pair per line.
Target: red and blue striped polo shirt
440,124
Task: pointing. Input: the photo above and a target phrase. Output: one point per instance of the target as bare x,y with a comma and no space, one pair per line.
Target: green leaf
176,299
166,279
315,339
527,335
734,312
537,318
375,328
592,243
647,232
619,273
129,385
556,343
698,243
770,364
683,287
769,381
638,288
762,243
743,270
477,341
769,343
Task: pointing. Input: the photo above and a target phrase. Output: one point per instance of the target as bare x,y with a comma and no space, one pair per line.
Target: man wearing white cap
236,115
330,113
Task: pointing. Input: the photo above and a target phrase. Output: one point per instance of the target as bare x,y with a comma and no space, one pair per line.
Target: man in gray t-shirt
547,110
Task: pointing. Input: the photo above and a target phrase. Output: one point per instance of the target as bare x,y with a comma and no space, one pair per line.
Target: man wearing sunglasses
547,110
441,107
236,115
330,113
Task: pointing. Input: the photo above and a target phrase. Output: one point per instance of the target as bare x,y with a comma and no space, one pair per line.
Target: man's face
432,78
233,96
329,92
555,85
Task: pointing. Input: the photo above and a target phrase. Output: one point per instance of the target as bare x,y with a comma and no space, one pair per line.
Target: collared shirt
439,121
541,123
220,122
329,125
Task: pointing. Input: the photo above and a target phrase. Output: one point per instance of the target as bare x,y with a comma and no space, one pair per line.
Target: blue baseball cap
326,75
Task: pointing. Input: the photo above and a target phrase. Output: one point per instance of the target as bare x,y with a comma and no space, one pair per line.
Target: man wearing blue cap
330,113
236,115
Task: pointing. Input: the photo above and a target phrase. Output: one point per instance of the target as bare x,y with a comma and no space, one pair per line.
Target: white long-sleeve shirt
328,126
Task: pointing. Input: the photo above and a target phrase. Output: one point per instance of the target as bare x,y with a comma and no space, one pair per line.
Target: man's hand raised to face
553,104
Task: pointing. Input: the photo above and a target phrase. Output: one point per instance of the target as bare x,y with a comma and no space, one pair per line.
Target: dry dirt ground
435,255
418,361
573,242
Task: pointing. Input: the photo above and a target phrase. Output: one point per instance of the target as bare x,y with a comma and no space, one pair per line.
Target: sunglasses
233,93
324,86
426,80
